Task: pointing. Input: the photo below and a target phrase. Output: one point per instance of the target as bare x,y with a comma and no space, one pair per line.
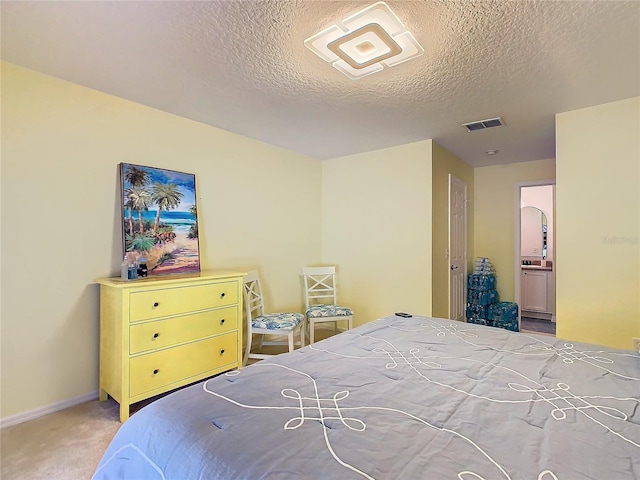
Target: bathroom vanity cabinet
537,292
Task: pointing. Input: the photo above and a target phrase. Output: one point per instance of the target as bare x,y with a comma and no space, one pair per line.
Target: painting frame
159,220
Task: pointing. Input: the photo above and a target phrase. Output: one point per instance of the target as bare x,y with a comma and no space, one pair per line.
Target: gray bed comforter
399,398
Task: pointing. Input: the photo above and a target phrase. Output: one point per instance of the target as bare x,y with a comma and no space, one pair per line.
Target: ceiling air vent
482,124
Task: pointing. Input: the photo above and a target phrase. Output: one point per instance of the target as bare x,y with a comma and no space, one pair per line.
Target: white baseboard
46,410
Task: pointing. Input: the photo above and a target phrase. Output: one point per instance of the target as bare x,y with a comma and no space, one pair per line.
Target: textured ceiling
242,66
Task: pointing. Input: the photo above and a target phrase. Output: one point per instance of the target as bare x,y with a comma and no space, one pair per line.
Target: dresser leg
103,395
124,412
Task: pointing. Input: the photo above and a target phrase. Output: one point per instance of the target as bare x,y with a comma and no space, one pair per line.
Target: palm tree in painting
167,197
193,229
139,243
141,201
128,204
136,177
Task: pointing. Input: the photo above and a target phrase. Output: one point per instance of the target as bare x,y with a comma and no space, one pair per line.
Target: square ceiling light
365,42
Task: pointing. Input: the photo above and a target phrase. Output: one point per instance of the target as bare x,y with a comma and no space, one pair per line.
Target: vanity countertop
536,267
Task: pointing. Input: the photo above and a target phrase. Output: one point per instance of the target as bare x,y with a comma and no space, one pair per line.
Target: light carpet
65,445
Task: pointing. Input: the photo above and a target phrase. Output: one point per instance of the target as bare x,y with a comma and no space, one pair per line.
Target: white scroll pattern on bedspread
323,416
569,355
320,405
325,406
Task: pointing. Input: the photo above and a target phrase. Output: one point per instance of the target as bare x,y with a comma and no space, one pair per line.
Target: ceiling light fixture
491,152
365,42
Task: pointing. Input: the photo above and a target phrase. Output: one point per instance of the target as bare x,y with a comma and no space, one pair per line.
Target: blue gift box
481,297
503,311
482,282
504,315
508,325
479,321
476,311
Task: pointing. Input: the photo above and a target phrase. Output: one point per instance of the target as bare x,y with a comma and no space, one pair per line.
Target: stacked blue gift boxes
483,303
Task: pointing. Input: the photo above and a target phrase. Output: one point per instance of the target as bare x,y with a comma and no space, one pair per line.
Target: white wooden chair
321,299
261,323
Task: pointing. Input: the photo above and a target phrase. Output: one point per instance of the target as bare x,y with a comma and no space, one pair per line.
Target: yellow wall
376,227
444,163
61,144
494,207
374,215
598,220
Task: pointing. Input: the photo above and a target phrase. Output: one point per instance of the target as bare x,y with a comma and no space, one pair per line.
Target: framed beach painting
159,219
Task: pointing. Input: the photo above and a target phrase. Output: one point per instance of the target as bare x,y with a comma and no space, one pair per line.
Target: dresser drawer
158,369
165,302
172,331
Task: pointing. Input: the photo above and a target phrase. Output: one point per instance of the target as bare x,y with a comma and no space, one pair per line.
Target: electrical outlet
636,344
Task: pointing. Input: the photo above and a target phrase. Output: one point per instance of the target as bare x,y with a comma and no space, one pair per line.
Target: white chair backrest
320,285
252,292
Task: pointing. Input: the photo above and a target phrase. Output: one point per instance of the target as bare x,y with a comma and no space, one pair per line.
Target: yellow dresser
161,333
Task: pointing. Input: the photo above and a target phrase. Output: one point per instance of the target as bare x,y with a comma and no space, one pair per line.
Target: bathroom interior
537,272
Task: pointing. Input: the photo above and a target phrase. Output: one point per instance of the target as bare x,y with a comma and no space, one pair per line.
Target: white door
457,248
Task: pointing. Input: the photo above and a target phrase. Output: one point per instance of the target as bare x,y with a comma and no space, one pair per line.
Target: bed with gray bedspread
415,398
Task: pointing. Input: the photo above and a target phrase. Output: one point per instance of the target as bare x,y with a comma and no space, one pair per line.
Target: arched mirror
533,232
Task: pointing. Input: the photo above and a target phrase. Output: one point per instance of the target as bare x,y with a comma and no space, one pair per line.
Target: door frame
518,244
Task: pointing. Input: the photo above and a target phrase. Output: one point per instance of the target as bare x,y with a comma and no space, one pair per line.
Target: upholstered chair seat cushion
319,311
277,321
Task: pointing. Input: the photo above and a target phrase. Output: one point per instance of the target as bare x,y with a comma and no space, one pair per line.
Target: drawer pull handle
222,321
222,352
155,372
222,295
156,335
156,304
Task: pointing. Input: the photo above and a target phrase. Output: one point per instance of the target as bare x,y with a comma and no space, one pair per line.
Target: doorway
535,268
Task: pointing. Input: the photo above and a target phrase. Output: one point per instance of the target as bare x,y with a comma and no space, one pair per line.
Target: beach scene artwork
159,219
